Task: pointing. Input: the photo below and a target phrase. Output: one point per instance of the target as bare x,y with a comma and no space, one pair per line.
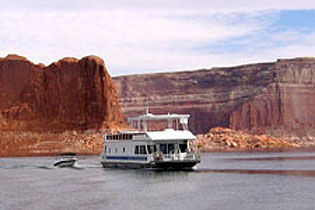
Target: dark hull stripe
158,165
125,158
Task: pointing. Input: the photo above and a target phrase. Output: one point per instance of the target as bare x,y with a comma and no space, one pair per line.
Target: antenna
147,108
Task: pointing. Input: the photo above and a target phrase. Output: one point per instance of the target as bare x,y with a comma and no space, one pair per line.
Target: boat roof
150,116
171,134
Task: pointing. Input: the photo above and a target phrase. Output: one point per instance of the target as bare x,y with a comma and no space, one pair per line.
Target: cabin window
183,147
124,149
137,149
109,150
105,149
163,148
171,148
154,148
149,148
142,150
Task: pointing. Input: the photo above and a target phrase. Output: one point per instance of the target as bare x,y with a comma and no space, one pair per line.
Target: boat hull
177,165
165,165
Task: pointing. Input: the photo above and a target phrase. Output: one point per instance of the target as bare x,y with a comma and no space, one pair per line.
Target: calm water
221,181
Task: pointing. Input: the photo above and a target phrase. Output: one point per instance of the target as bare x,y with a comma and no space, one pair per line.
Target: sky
143,36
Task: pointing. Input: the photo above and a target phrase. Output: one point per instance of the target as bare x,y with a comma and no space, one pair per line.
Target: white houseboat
169,148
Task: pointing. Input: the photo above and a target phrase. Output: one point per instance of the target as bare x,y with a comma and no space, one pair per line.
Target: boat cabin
148,146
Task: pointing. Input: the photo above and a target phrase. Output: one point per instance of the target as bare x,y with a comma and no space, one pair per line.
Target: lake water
221,181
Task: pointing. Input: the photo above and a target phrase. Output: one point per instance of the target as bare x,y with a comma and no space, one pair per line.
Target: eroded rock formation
288,102
40,105
228,139
256,97
70,94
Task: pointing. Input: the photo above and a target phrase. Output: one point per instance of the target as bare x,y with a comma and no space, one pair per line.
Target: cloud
217,6
137,36
128,40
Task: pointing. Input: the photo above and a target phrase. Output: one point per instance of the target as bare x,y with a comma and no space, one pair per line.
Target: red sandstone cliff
287,102
70,94
261,98
67,95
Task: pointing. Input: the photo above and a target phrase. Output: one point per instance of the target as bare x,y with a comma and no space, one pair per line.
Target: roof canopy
150,116
170,134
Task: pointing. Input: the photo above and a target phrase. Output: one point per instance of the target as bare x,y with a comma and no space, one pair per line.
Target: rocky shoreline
23,144
67,106
225,139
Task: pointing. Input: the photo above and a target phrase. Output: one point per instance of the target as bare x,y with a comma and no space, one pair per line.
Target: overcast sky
142,36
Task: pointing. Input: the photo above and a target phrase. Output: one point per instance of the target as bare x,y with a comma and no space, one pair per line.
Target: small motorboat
65,162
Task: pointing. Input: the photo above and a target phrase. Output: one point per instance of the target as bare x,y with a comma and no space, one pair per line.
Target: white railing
177,156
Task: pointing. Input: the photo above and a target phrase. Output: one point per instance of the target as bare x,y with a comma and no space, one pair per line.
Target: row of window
119,137
139,149
170,148
113,151
149,149
143,150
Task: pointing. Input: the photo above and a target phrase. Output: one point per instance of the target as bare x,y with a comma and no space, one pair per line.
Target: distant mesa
275,98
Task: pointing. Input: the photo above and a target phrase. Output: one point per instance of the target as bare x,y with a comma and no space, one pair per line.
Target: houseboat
170,147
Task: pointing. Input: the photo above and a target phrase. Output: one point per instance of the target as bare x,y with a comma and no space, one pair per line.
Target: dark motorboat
65,162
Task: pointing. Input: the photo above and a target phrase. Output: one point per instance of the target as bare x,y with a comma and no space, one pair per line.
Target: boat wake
276,158
307,173
51,167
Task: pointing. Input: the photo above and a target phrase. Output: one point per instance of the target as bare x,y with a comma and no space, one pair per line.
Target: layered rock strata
69,94
38,102
257,97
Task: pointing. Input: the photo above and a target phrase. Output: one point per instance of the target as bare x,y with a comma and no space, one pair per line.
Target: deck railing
177,156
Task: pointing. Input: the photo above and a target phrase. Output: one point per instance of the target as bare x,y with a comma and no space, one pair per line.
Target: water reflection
273,158
309,173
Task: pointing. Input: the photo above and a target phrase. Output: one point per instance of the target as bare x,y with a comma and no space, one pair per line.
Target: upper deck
174,121
175,129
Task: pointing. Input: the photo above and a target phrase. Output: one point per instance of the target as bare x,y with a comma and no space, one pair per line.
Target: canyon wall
256,97
62,108
288,103
69,94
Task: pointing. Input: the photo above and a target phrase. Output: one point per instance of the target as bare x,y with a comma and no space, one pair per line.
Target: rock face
47,143
228,139
60,108
70,94
289,102
256,97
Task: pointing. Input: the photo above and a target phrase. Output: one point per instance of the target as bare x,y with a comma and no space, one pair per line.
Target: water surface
221,181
